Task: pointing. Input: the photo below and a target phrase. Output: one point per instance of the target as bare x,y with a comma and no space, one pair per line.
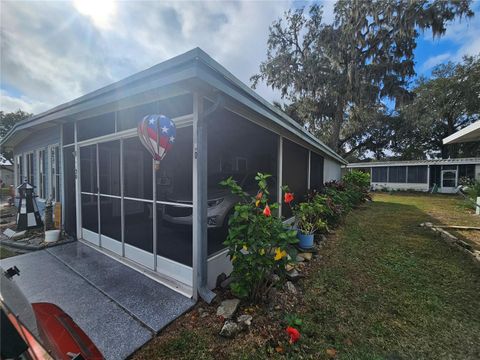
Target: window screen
294,172
417,174
466,171
96,126
379,174
397,174
316,171
68,133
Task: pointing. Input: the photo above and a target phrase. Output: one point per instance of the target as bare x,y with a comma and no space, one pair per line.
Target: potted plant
308,221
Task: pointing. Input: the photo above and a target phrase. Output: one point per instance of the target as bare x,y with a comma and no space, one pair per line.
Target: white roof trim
459,161
467,134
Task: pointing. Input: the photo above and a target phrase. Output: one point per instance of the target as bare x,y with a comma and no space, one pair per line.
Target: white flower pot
52,235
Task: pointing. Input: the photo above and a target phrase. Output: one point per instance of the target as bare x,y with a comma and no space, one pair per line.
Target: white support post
279,174
78,197
477,210
199,222
309,169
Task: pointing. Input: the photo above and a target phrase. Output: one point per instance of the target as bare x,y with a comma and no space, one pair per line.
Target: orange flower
259,196
288,197
293,333
267,211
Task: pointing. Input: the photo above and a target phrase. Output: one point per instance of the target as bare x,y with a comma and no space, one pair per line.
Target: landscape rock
244,321
323,238
274,278
306,256
299,258
291,288
227,308
202,312
289,267
230,329
226,283
294,275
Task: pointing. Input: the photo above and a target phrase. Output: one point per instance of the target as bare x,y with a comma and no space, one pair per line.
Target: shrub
308,217
257,241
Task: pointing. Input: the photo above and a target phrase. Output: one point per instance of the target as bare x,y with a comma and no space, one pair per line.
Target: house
467,134
170,223
443,175
6,172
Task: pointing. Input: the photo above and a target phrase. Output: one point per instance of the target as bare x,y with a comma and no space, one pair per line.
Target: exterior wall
477,172
332,170
39,140
399,186
7,175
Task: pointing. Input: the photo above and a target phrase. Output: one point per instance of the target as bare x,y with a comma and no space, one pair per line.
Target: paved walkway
119,308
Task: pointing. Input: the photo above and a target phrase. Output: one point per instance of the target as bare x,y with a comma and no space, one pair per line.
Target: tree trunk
334,142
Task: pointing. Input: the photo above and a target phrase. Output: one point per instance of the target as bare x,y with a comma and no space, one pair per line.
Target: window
42,174
55,173
96,126
19,169
397,174
380,174
68,133
30,168
316,171
417,174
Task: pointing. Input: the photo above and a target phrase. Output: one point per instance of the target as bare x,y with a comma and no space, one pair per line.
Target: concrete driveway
119,308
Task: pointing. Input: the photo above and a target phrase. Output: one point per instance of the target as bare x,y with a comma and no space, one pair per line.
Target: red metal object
61,335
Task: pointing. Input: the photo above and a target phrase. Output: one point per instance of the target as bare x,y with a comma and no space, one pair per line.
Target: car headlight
216,202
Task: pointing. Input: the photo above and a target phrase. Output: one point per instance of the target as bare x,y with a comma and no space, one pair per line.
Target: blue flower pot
305,240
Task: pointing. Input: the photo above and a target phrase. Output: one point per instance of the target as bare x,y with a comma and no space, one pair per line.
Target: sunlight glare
100,11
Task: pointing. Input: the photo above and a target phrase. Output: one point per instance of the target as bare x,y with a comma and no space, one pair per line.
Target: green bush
308,217
257,241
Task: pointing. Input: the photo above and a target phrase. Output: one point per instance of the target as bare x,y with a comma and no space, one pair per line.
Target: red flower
288,198
259,196
267,211
293,333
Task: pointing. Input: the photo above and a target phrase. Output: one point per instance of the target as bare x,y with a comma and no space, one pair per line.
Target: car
220,200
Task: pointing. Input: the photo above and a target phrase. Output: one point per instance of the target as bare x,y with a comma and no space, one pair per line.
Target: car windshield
215,179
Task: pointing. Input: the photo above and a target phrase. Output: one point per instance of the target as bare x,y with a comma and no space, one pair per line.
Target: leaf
331,353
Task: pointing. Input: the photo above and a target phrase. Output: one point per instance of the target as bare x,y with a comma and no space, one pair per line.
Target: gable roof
194,64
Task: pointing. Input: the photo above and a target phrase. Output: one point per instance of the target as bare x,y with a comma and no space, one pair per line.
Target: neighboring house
6,172
168,223
467,134
420,175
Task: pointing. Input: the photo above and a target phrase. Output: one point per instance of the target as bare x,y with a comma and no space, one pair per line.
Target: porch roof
194,68
458,161
467,134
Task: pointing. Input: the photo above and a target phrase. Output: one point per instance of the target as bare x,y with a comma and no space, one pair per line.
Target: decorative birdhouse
28,216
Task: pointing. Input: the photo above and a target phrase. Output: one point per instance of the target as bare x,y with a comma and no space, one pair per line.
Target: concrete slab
153,304
119,308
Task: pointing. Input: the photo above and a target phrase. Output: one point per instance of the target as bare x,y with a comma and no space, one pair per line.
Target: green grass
4,253
385,289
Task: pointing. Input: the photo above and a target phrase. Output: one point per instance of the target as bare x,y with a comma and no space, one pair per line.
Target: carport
119,308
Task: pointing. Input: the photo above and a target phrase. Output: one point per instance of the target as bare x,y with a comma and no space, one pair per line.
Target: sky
55,51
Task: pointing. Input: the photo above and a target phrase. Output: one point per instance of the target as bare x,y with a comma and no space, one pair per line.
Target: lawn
384,288
5,253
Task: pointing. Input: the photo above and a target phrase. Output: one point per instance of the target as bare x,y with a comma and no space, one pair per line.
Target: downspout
200,196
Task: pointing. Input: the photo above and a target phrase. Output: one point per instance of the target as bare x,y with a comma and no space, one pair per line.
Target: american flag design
157,133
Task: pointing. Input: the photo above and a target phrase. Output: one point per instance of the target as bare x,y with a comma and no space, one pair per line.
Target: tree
443,104
335,77
7,121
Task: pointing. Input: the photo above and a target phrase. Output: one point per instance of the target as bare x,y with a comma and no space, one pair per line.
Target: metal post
99,227
309,168
78,197
122,194
279,174
200,201
154,214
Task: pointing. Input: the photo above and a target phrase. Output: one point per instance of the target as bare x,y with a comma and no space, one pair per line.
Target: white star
152,121
172,139
165,130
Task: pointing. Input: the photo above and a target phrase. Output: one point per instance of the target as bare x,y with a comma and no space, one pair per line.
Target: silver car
220,200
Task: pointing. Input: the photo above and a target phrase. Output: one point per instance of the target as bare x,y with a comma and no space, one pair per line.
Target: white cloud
9,103
434,61
51,53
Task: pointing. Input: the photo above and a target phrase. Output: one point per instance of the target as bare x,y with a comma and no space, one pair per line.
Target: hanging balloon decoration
157,133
